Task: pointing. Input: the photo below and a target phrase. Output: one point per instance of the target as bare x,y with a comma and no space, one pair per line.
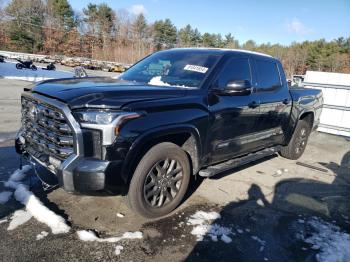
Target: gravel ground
266,206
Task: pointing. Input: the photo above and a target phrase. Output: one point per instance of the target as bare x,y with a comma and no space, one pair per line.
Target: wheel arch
308,116
185,136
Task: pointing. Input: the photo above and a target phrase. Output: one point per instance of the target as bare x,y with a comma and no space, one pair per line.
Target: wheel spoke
152,176
171,166
161,198
166,164
174,188
153,192
175,171
150,184
154,200
159,168
177,178
168,195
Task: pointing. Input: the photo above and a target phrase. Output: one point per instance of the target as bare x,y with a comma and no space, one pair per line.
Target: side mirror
236,88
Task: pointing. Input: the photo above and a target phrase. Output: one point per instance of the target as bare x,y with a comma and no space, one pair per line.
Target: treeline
99,32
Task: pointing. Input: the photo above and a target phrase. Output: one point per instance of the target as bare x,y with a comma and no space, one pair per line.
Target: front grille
46,131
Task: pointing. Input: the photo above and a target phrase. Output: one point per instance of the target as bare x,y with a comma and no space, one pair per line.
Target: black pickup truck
174,114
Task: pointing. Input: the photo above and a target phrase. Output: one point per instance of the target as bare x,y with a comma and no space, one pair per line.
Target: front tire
160,181
298,142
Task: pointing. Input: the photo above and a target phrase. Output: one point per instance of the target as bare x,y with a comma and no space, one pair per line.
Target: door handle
254,104
285,101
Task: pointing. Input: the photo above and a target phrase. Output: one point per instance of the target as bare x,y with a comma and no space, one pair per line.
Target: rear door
272,92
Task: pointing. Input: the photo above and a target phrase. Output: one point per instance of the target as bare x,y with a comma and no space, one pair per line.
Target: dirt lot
270,209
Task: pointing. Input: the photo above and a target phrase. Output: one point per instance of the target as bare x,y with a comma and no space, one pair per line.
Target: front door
232,118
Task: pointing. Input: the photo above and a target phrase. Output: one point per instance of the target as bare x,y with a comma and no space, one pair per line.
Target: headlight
109,122
97,117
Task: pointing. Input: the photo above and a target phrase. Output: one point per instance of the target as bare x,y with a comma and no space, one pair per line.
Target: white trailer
335,117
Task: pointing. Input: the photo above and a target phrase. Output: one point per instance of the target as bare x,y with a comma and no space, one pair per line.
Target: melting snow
8,70
89,235
157,81
226,239
202,227
120,215
20,174
18,218
332,243
118,249
42,235
33,205
5,196
40,211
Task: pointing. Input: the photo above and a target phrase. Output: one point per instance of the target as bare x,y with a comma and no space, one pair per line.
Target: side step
235,162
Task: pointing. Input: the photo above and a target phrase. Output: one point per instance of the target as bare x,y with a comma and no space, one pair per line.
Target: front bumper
82,170
77,174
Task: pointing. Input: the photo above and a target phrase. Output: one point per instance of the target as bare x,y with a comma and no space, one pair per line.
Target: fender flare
142,141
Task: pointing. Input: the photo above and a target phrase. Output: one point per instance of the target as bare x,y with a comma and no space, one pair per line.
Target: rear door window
268,75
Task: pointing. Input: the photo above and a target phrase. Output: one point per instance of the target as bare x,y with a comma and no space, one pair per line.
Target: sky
274,21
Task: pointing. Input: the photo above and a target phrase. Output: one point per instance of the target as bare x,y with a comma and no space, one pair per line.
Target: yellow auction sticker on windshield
196,68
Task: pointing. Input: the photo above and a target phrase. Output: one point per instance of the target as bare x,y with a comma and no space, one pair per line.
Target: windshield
179,68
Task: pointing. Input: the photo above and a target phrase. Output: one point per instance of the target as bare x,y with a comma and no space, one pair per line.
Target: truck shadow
268,231
197,180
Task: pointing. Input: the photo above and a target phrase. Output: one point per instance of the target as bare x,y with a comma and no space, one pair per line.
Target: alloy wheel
163,182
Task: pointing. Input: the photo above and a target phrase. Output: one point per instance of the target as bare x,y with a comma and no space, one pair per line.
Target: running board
235,162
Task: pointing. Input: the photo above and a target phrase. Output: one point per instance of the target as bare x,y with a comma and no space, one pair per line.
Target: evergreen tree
25,27
185,36
62,12
231,42
164,34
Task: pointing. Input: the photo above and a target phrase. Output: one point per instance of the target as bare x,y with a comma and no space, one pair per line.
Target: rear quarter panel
306,101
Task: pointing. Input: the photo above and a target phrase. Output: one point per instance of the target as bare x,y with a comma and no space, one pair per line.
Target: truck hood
103,92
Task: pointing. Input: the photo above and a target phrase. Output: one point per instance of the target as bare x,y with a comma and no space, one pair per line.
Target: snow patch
20,174
132,235
157,81
332,243
260,241
240,231
8,70
44,215
200,216
201,221
89,235
120,215
18,218
33,205
118,249
5,196
42,235
3,221
226,239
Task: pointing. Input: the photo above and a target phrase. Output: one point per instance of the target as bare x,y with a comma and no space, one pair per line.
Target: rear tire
298,142
160,181
19,66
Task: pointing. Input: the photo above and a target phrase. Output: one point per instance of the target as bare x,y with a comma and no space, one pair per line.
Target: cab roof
222,50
